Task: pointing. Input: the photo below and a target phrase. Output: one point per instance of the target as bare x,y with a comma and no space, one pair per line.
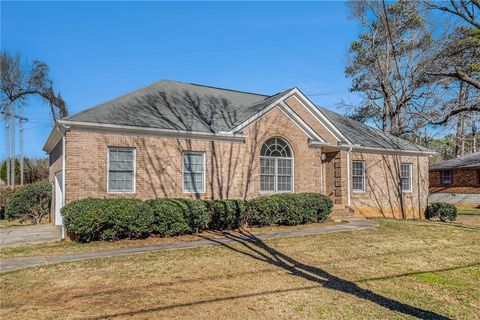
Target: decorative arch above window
276,147
276,166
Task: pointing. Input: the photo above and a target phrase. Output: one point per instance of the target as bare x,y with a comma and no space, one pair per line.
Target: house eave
358,148
55,136
182,134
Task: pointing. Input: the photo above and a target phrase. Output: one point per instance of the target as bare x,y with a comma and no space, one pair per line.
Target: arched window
276,166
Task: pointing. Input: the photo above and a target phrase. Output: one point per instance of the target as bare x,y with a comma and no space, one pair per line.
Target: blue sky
99,50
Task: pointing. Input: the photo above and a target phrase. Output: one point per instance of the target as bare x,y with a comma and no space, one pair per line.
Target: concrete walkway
352,224
37,233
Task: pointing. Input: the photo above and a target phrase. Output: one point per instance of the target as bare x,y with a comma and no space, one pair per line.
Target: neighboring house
456,180
175,139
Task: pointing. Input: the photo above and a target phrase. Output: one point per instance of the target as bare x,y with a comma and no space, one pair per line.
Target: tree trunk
460,137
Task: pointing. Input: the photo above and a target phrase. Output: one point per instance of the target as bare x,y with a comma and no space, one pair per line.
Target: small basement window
447,177
121,170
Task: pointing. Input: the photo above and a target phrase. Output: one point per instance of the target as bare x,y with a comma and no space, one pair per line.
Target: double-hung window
358,176
276,166
406,177
121,170
446,176
194,172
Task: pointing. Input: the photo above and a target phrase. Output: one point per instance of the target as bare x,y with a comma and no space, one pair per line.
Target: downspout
349,197
62,237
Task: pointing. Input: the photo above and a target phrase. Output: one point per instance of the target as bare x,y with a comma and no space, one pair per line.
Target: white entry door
58,197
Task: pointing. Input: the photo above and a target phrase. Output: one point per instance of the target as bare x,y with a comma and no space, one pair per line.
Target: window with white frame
194,172
358,176
276,166
406,176
446,177
121,169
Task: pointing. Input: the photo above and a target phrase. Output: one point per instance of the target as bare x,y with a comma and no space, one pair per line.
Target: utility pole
10,119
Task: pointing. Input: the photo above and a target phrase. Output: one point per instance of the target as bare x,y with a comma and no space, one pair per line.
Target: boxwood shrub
226,214
99,219
107,219
30,202
288,209
442,210
179,216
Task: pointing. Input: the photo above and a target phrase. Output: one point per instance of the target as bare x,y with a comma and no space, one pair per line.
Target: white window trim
363,177
410,165
134,170
204,172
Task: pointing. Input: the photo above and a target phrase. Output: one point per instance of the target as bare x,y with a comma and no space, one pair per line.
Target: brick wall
463,181
382,196
232,169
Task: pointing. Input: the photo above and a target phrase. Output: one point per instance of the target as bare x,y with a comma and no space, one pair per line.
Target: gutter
156,131
386,150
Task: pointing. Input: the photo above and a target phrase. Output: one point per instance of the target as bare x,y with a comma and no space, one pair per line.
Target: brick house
456,180
175,139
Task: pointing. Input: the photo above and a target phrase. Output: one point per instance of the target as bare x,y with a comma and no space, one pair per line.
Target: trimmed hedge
30,202
226,214
442,210
289,209
107,219
97,219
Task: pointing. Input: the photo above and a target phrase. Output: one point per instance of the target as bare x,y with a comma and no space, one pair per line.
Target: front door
58,197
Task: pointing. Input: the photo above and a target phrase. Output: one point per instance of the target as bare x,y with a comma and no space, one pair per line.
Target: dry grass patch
403,269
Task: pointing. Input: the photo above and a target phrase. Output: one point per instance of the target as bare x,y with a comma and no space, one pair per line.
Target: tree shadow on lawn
257,249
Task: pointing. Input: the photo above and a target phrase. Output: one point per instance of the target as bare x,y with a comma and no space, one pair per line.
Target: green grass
468,211
402,269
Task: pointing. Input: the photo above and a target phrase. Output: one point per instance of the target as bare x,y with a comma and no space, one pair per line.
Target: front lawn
402,269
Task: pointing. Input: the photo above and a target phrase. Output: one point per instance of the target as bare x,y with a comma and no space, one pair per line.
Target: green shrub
288,209
5,194
29,203
196,214
169,217
113,219
226,214
442,210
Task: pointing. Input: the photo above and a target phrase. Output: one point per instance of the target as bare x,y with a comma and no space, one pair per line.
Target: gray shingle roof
176,106
192,107
468,161
361,134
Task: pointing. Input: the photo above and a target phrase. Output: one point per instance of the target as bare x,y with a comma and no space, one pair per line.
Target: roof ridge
224,89
155,83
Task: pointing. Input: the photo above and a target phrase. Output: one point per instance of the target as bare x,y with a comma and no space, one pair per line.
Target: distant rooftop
470,161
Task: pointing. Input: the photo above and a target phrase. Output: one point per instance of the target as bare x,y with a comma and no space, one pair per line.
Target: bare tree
458,57
389,63
18,82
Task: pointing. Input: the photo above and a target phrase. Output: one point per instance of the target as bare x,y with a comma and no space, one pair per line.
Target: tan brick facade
382,195
232,168
463,181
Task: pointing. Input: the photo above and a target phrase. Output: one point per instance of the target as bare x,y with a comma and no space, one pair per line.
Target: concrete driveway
28,234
